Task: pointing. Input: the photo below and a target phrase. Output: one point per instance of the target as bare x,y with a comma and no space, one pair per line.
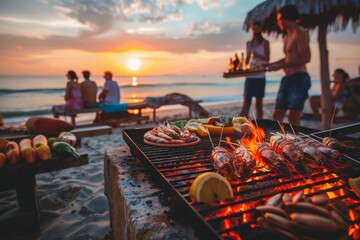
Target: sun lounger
21,177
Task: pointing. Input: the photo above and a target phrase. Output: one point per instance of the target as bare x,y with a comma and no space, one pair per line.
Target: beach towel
114,108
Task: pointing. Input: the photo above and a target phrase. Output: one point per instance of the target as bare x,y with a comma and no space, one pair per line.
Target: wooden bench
136,106
21,177
72,114
122,118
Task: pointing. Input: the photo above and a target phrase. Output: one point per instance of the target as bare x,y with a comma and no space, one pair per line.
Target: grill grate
176,168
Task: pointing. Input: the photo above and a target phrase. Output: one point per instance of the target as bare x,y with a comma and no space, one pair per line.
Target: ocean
24,96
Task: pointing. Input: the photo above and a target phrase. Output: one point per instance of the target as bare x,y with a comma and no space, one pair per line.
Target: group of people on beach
294,86
84,94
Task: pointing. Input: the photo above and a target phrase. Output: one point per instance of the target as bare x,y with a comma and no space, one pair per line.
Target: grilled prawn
333,154
293,154
222,159
340,146
312,154
274,160
243,163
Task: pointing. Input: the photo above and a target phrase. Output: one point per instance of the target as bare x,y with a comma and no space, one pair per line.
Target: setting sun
133,64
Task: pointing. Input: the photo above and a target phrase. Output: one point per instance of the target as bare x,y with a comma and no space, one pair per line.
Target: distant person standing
259,48
111,91
295,85
88,90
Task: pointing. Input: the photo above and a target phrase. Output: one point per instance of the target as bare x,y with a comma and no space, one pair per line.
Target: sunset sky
181,37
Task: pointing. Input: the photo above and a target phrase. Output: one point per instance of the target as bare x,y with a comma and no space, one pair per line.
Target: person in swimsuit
73,96
259,48
89,91
295,85
339,94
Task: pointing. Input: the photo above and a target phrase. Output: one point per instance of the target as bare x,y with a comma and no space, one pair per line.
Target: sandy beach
72,201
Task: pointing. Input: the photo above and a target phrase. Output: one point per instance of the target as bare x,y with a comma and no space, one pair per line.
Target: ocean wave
20,113
33,90
174,84
139,86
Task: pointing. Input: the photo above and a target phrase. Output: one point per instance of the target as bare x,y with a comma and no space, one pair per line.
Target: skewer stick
332,120
293,130
212,144
255,119
222,129
282,129
352,159
311,136
236,144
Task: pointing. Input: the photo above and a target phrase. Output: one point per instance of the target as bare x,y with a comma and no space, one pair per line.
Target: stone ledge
138,209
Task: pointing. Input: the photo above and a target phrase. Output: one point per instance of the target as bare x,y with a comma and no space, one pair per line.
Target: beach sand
72,201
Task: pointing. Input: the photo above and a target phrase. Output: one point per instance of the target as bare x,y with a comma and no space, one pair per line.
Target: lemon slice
202,131
355,185
210,187
203,120
240,120
192,126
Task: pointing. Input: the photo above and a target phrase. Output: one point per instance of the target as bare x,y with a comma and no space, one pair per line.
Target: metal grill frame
204,230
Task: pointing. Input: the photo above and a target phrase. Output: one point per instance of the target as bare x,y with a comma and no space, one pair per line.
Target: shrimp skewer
312,155
243,162
274,160
340,146
222,159
291,153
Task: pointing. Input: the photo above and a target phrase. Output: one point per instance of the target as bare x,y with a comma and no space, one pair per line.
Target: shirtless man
89,91
294,86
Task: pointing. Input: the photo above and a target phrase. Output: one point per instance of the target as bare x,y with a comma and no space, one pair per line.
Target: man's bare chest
290,44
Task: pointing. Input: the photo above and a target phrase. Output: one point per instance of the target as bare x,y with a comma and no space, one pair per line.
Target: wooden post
325,78
27,200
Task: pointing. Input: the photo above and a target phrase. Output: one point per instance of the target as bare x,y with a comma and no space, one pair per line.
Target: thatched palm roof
334,13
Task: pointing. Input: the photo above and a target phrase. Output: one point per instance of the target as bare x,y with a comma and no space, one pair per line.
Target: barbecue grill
174,170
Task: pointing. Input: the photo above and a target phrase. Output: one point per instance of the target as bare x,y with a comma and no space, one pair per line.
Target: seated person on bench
89,91
111,90
351,108
109,98
338,94
73,96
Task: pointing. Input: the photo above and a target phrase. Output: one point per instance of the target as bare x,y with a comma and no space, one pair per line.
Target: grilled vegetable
27,151
2,159
12,152
67,137
3,143
65,150
42,149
